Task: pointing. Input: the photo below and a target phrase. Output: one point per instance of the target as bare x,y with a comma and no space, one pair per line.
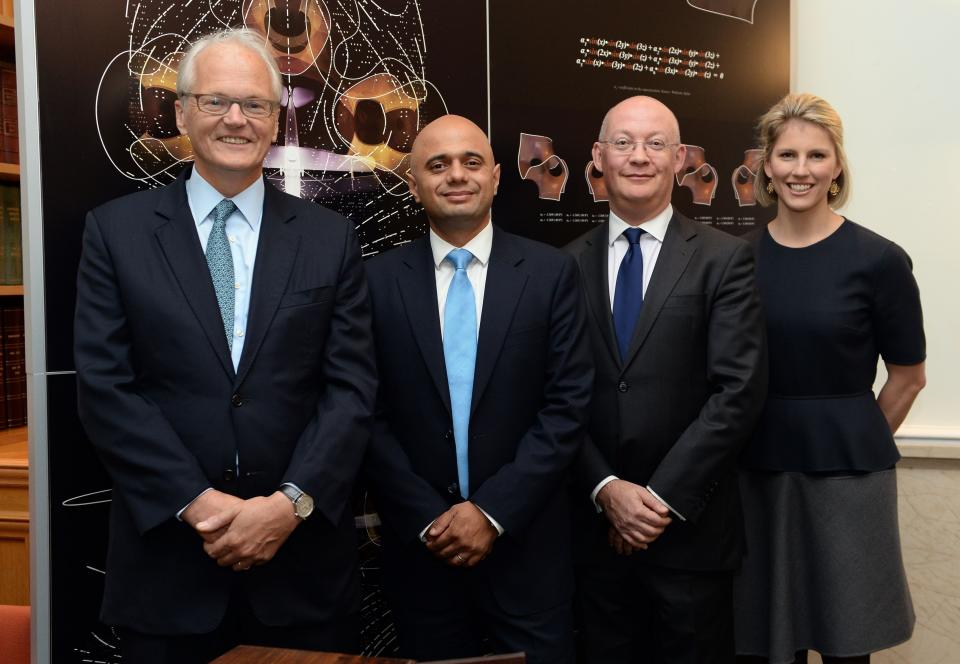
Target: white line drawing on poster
742,10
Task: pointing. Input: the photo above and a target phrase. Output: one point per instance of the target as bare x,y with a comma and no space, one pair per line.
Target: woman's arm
898,392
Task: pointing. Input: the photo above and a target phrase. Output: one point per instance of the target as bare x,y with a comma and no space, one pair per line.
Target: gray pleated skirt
823,569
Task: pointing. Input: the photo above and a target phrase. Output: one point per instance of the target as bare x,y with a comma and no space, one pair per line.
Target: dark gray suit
676,411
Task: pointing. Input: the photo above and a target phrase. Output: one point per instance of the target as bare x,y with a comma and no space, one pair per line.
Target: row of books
13,369
11,254
10,142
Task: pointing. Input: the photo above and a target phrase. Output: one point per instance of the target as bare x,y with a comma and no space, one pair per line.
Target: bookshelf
14,449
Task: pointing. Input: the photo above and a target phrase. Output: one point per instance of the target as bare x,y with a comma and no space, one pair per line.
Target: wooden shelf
9,172
13,447
7,40
11,290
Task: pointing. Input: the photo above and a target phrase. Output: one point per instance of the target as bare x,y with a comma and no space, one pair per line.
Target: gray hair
238,37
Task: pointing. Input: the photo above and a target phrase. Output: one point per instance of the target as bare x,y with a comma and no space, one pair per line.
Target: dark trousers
631,612
239,626
470,623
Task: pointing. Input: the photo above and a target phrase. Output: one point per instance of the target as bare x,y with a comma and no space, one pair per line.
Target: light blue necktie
460,354
628,298
220,262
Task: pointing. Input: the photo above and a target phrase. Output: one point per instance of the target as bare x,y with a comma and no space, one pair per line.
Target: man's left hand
258,527
462,536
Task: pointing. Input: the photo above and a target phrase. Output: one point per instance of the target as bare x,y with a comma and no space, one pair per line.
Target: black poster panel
558,65
363,78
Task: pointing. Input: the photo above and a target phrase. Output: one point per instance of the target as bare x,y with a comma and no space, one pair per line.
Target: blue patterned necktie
628,298
220,262
460,354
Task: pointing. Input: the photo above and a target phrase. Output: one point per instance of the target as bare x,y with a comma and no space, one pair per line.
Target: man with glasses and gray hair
225,377
680,358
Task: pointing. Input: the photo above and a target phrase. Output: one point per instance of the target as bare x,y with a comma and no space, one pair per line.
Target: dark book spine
15,375
8,111
12,247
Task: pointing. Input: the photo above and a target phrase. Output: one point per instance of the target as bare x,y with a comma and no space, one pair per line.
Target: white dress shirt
243,233
480,246
650,243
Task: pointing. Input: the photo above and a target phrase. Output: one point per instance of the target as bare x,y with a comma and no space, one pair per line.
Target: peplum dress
823,568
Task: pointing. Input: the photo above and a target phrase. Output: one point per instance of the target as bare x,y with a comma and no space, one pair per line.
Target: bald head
454,176
656,110
639,170
443,131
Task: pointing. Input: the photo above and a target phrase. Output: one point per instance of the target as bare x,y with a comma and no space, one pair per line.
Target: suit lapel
276,255
418,291
504,285
593,265
674,256
181,246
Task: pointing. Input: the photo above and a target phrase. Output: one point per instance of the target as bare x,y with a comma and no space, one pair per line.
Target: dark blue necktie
628,297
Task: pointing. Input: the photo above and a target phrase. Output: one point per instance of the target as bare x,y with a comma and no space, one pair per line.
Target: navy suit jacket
531,388
677,410
168,415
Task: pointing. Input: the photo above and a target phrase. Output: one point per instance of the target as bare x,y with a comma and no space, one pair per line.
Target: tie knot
460,258
633,235
223,210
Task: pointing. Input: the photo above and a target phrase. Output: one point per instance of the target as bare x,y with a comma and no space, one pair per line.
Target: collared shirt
480,246
650,244
243,233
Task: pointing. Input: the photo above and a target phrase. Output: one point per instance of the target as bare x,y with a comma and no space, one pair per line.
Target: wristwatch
302,502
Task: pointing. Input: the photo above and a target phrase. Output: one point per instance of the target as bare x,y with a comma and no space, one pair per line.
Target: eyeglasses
219,105
626,146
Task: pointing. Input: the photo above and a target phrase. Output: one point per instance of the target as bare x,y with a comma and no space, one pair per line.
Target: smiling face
229,149
801,166
453,175
640,182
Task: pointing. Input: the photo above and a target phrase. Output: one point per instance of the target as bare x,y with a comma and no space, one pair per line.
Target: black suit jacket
675,414
531,387
168,415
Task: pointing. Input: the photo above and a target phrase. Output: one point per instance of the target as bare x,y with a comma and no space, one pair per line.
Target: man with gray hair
225,377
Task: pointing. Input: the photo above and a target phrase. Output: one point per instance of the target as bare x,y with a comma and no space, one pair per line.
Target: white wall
890,69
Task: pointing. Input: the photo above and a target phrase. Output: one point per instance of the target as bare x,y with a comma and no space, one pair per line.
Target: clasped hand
636,517
241,533
462,536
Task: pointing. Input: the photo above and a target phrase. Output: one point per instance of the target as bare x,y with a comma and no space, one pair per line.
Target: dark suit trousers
471,623
239,626
632,612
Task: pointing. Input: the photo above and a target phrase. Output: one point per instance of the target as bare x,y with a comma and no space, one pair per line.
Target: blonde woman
823,569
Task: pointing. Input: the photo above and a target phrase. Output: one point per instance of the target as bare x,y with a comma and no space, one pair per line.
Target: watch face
303,507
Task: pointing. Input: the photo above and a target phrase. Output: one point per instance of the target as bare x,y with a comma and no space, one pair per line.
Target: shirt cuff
596,490
423,533
666,504
492,521
184,508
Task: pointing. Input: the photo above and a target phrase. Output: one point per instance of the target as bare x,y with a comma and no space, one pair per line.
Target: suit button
448,435
623,386
229,475
236,400
453,489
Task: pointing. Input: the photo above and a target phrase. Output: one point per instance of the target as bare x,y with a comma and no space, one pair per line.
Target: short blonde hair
809,108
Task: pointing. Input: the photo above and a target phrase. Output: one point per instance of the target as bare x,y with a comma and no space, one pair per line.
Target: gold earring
770,189
834,189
